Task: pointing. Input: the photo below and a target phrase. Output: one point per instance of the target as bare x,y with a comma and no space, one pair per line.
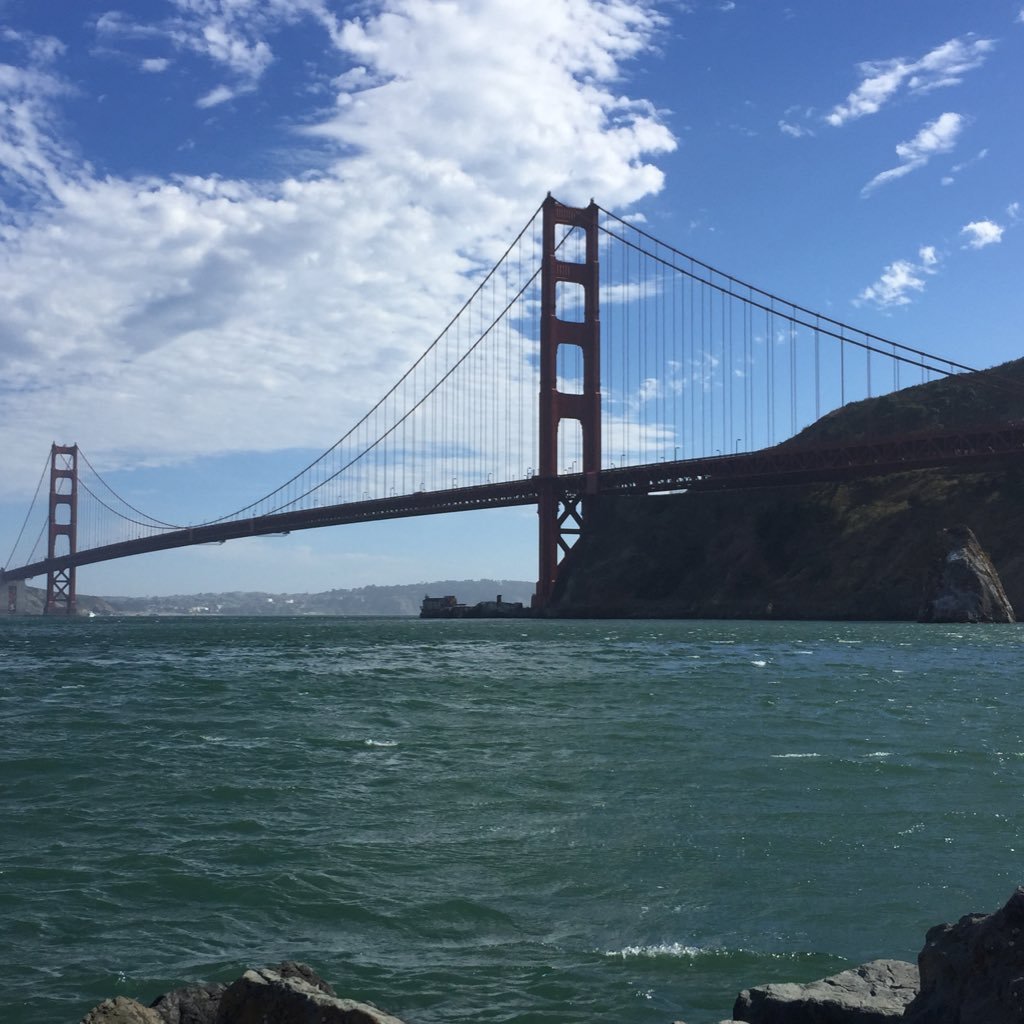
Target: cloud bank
161,318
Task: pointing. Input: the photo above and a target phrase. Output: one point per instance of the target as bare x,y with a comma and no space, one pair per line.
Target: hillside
960,402
851,550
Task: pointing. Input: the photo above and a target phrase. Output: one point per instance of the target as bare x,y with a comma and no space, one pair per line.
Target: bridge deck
785,463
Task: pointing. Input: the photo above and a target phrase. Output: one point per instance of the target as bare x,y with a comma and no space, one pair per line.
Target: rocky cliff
860,549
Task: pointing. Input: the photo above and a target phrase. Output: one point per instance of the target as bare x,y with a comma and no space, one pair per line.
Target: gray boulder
199,1004
121,1011
195,1004
267,997
294,969
963,585
874,993
972,972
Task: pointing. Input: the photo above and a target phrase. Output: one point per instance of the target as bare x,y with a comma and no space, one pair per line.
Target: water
511,821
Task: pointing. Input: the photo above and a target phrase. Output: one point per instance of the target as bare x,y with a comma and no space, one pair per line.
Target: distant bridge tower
63,527
561,505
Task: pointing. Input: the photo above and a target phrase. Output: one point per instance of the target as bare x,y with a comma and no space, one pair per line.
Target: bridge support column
12,598
63,528
562,504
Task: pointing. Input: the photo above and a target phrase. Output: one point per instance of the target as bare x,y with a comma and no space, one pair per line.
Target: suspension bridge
591,359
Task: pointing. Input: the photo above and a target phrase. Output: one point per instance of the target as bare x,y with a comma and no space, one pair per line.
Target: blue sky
227,226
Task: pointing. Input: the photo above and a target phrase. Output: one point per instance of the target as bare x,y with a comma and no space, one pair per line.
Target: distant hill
384,600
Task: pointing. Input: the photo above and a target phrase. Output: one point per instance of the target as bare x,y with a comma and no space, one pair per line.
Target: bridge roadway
785,463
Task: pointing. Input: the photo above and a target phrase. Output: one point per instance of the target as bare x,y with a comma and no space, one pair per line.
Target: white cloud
1013,211
222,94
163,318
226,32
794,130
40,49
957,168
32,160
1020,16
155,64
892,288
981,233
939,136
881,80
249,59
900,280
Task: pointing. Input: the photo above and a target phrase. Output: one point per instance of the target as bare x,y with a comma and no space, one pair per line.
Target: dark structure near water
448,607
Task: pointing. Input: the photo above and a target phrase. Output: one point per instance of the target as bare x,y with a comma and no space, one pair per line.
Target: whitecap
759,664
380,743
663,949
795,755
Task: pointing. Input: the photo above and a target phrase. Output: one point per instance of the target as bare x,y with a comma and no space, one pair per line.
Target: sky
228,226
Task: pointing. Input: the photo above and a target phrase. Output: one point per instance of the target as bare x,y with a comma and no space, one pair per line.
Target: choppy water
495,821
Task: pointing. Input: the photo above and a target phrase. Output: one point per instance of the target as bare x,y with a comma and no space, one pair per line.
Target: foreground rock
874,993
196,1004
964,586
121,1011
972,972
291,993
265,997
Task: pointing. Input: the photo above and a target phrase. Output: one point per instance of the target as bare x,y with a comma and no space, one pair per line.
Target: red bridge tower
562,503
63,528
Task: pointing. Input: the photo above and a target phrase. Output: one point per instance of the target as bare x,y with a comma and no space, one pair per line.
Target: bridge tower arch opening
63,528
570,282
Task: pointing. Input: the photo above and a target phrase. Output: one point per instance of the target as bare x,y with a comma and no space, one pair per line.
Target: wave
680,951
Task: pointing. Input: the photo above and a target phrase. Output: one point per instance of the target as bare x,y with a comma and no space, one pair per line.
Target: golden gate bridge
591,359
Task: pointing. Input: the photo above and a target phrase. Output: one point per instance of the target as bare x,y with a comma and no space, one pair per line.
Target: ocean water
505,821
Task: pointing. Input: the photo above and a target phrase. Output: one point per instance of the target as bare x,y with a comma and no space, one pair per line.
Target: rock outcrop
290,993
264,996
963,585
972,972
196,1004
857,549
874,993
121,1011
